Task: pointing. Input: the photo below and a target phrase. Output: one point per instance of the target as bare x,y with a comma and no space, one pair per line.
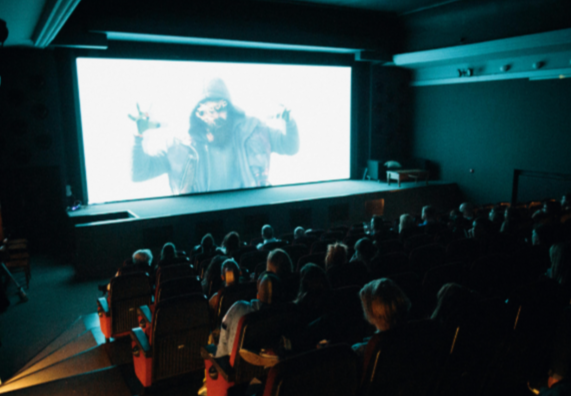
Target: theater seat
256,330
331,371
405,360
118,312
228,296
180,328
173,271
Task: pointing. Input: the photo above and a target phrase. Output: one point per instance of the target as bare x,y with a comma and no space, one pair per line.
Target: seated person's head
566,201
312,278
560,254
168,252
406,221
377,223
267,232
269,288
279,263
551,207
207,242
545,234
231,242
230,272
298,232
336,255
496,215
452,301
480,228
364,250
467,210
428,213
143,257
384,304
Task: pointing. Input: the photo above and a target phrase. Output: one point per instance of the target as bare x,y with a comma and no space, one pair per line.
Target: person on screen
225,148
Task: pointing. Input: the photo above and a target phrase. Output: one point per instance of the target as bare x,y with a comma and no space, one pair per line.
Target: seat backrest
390,246
262,329
389,264
126,293
437,277
315,258
417,241
296,251
229,295
405,360
181,326
173,271
331,371
274,245
426,257
305,240
249,260
490,274
321,245
334,235
462,250
178,287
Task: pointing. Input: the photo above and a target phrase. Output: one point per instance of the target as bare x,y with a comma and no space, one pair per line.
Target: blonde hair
384,303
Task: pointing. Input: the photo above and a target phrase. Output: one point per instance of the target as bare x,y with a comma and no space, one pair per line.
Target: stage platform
105,234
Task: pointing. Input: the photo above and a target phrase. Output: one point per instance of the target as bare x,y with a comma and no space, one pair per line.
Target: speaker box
375,169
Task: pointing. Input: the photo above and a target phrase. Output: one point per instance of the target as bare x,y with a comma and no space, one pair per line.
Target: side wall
494,128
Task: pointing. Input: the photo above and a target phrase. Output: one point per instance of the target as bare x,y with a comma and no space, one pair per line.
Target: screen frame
174,52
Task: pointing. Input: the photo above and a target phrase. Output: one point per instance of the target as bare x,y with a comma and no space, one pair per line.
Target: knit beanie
216,89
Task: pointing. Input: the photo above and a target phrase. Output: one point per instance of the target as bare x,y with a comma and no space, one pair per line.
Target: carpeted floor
56,300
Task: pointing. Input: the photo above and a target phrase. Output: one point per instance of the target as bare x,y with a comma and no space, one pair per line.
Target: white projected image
159,128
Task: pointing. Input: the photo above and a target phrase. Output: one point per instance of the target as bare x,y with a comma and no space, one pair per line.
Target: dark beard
222,135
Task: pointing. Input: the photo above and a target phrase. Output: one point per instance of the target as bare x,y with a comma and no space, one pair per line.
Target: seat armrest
102,306
222,364
141,341
145,312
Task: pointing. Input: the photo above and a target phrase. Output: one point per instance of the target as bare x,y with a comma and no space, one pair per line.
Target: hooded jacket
188,163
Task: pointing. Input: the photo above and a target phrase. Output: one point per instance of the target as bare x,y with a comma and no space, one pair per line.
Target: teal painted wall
494,128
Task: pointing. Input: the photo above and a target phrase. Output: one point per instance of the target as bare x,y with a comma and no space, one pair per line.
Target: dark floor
56,300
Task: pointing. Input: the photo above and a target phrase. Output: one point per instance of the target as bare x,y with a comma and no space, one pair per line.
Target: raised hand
284,114
143,121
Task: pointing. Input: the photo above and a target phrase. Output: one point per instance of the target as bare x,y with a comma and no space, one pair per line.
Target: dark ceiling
393,6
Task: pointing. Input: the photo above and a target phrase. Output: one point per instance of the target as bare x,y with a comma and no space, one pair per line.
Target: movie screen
160,128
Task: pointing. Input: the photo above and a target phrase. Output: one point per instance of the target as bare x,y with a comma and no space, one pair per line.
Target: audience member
453,300
299,232
212,279
313,293
279,263
336,255
406,226
377,225
230,275
207,245
269,292
231,243
560,270
550,213
268,235
428,216
496,218
364,251
385,306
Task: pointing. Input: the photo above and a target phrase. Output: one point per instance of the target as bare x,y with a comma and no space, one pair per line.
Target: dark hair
270,288
230,265
168,252
281,262
231,242
312,278
267,231
452,301
207,241
198,128
365,248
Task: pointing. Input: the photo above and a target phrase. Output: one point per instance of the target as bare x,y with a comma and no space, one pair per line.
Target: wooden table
407,174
